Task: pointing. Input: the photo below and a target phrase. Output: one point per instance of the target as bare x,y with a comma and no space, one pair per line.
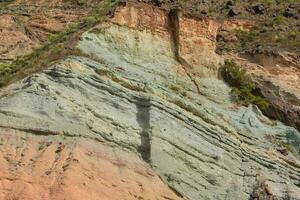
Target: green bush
278,20
243,87
246,37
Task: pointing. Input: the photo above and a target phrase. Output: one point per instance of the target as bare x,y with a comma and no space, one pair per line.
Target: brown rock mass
53,168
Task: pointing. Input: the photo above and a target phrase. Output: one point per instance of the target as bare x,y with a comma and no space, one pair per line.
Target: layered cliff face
140,113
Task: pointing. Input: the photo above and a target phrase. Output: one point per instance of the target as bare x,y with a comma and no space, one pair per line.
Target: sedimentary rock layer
45,167
129,93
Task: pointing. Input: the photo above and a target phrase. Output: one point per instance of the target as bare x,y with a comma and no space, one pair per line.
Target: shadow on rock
143,119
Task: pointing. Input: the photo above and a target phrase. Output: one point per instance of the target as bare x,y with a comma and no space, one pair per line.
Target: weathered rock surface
128,93
49,167
278,79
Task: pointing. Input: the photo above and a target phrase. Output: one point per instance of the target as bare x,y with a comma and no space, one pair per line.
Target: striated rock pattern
141,89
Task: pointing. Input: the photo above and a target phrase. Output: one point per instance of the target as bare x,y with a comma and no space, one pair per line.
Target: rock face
144,94
56,167
284,106
278,79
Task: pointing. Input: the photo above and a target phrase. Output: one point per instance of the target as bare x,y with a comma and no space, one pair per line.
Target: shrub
290,39
243,88
278,20
247,36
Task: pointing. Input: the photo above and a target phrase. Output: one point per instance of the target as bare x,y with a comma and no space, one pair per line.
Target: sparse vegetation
246,37
55,48
290,39
278,20
175,88
178,89
274,28
243,87
275,34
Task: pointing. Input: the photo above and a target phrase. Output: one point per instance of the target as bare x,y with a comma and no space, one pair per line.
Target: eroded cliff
141,100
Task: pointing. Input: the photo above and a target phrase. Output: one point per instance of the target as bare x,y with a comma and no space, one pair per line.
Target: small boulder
158,2
283,151
226,36
229,4
290,12
259,9
234,12
268,190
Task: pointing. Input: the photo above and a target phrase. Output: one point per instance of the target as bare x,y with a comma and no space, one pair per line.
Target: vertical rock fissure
143,119
174,28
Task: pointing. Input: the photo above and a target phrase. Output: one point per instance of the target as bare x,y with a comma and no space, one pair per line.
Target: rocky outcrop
277,79
284,106
128,96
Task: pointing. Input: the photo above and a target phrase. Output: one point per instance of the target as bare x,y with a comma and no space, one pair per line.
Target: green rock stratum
141,100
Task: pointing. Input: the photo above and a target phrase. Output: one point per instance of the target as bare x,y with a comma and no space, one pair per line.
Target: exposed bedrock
278,80
49,167
128,93
284,106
